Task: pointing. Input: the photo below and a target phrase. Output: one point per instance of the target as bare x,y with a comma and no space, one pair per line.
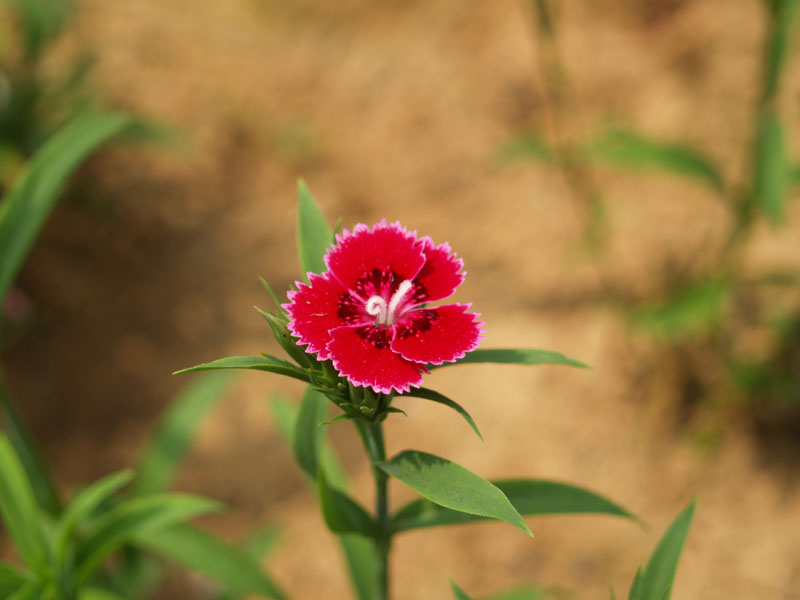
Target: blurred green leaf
783,12
690,311
308,435
40,22
43,487
452,486
18,507
458,593
636,585
528,496
514,356
206,554
435,396
11,579
94,593
314,236
28,203
526,146
342,514
360,553
140,515
174,433
85,503
628,149
771,170
658,575
524,593
256,363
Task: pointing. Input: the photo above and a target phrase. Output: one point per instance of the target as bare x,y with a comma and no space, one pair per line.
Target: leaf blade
450,485
314,236
435,396
529,497
308,436
255,363
514,356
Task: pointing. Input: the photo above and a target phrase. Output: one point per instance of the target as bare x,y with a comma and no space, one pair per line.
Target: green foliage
204,553
458,593
691,311
528,496
527,146
308,435
177,426
256,363
435,396
342,514
313,233
771,171
452,486
514,356
628,149
26,206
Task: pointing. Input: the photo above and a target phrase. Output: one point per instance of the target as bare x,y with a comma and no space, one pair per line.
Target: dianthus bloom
368,312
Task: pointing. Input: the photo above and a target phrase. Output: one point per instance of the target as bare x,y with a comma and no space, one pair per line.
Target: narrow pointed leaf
458,593
528,496
314,236
85,503
29,455
361,557
636,584
628,149
135,517
660,571
255,363
204,553
771,170
611,593
26,206
514,356
175,431
452,486
308,436
95,593
270,291
289,344
18,506
524,593
341,513
435,396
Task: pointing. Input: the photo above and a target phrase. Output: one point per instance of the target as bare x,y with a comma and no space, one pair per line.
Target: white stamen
397,298
376,306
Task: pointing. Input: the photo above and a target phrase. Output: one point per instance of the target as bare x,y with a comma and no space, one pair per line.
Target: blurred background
617,176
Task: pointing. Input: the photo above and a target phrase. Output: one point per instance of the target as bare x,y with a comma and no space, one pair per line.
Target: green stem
372,436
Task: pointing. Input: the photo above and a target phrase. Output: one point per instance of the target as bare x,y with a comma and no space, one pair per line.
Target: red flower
366,312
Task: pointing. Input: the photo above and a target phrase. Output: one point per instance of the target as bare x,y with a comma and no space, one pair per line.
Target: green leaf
138,516
658,575
524,593
85,503
452,486
314,236
20,438
611,593
26,206
458,593
206,554
628,149
40,22
342,514
514,356
690,311
636,584
362,560
528,496
271,292
18,506
782,15
256,363
526,146
441,399
11,579
308,436
771,171
94,593
174,433
289,344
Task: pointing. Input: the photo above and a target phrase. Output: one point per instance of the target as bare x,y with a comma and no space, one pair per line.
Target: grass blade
658,575
514,356
256,363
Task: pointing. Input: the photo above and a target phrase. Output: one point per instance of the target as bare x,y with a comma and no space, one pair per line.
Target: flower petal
439,276
363,355
317,308
437,335
387,249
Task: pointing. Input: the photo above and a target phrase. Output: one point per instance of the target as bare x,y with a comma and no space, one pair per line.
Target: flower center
386,313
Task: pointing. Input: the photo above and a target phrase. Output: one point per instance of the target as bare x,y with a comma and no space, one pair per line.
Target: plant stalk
372,436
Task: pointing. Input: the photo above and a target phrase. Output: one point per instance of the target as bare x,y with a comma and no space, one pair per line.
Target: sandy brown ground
396,109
